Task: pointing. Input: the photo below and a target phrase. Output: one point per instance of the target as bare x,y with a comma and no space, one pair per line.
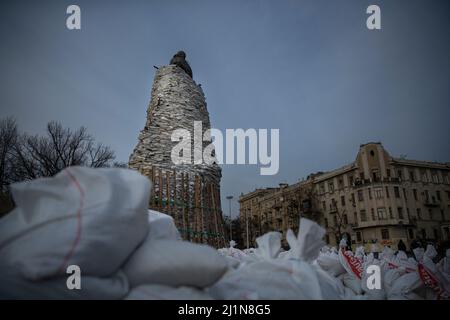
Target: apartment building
375,198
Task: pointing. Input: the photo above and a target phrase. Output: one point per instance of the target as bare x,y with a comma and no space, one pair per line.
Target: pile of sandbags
330,273
97,220
293,276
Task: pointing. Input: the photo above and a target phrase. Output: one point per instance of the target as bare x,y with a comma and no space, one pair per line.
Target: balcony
433,203
366,182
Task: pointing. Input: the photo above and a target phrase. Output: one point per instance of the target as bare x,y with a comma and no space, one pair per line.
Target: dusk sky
309,68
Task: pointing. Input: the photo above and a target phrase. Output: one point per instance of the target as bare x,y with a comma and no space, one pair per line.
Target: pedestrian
401,246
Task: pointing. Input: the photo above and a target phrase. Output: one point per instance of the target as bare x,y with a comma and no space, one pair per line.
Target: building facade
376,198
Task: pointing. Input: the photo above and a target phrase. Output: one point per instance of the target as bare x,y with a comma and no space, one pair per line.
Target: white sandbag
293,277
309,241
268,245
405,286
444,264
232,262
436,281
354,268
351,264
387,253
389,278
93,218
174,263
373,293
331,287
13,286
352,282
418,253
162,226
161,292
359,253
330,263
269,280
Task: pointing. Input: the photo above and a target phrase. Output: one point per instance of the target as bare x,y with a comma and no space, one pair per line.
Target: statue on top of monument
179,59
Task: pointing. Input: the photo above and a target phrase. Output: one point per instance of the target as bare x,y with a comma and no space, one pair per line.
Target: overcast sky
310,68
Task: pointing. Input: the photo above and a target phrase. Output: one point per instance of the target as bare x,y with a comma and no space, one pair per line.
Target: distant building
375,198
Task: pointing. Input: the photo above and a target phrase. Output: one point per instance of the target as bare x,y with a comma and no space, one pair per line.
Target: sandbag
93,218
13,286
330,263
269,280
405,287
291,277
174,263
162,226
161,292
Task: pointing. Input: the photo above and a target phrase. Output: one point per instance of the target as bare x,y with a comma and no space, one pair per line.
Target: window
427,196
388,173
397,192
333,205
378,193
430,213
410,233
335,220
363,216
447,181
350,180
438,195
415,194
424,234
343,200
373,214
435,177
442,215
411,175
446,235
448,195
382,213
370,193
326,222
385,234
391,215
340,183
404,194
355,217
322,188
436,234
424,176
330,186
358,236
360,196
324,206
400,212
375,176
399,174
419,214
344,219
327,238
387,192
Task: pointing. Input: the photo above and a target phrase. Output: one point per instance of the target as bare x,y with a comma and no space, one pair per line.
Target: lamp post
229,207
246,222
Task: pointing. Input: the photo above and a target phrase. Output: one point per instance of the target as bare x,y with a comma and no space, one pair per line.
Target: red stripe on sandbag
78,231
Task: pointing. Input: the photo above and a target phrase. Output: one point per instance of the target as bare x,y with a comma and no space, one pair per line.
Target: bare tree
8,139
44,156
340,221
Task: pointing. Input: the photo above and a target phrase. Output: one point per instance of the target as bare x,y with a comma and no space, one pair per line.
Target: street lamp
229,207
246,222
